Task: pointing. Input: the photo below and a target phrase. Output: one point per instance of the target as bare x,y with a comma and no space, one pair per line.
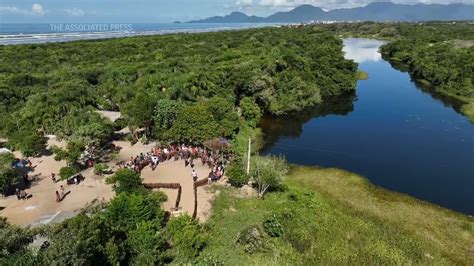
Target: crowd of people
216,173
188,153
215,160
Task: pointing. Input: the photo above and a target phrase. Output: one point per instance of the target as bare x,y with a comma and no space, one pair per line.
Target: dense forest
53,88
178,88
441,55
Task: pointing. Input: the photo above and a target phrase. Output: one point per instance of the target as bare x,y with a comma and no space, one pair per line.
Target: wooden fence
167,186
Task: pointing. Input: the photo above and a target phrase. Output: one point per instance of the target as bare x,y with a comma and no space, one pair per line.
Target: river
393,132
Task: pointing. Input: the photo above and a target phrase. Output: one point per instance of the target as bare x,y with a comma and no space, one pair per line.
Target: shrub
250,111
251,239
27,141
268,173
236,174
126,180
272,226
186,236
126,211
100,168
13,239
68,171
119,124
7,174
144,140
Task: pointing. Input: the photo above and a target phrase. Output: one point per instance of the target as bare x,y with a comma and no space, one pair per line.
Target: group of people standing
21,194
188,153
216,173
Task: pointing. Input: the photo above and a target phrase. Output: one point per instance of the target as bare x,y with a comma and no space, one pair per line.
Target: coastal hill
376,11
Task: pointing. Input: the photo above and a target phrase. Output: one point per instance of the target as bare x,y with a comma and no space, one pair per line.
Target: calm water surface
394,133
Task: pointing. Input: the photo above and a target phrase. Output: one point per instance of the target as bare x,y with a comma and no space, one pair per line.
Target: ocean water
11,34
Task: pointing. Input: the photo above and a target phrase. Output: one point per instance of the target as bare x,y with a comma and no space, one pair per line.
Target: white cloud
244,3
285,5
278,3
75,12
37,9
12,10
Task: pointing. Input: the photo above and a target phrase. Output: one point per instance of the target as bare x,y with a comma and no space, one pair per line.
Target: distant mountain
234,17
376,11
299,14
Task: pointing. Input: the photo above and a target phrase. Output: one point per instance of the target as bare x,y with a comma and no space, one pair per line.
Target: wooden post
248,158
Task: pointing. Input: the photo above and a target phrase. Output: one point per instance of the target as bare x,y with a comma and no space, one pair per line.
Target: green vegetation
431,54
187,237
13,241
132,229
195,87
236,173
55,88
100,168
311,216
468,109
125,180
68,171
268,173
329,216
7,174
362,75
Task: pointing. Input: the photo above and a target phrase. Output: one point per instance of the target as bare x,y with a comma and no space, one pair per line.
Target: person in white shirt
194,175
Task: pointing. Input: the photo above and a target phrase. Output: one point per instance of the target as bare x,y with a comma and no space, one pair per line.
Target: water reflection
362,50
427,89
291,125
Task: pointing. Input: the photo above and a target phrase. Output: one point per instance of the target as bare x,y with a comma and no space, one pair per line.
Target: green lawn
333,216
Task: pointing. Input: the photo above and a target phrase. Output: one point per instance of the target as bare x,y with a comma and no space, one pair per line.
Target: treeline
442,55
54,88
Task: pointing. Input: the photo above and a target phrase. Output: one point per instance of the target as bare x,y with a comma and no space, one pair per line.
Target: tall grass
333,216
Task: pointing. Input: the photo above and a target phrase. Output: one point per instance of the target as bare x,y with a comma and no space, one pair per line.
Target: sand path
173,172
43,206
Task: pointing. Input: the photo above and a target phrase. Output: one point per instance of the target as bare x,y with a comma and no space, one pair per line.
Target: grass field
333,216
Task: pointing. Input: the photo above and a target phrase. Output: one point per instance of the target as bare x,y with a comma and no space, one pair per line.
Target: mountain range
376,11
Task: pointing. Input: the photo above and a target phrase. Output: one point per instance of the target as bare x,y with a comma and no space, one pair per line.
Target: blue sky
133,11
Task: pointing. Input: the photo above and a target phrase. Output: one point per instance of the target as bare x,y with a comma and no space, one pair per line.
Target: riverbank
466,106
333,216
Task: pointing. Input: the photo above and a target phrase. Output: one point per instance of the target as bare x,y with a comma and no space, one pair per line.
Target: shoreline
62,37
401,196
463,105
